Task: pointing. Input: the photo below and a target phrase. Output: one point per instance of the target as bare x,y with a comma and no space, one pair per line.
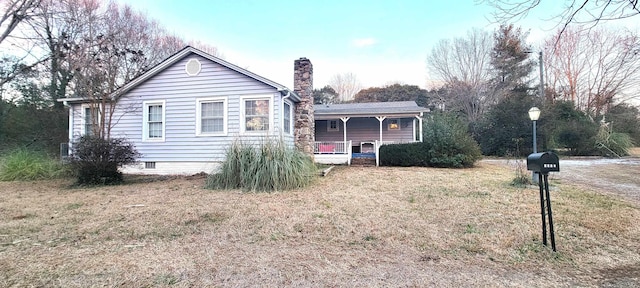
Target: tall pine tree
511,62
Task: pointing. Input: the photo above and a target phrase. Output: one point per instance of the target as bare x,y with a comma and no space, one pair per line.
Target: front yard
357,227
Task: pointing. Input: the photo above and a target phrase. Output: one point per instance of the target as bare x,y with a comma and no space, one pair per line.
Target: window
149,165
394,124
257,114
332,125
211,117
287,118
153,121
90,118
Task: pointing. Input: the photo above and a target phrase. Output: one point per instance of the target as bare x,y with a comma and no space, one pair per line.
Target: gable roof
397,108
186,51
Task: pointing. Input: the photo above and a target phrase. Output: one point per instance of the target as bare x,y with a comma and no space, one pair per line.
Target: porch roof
395,109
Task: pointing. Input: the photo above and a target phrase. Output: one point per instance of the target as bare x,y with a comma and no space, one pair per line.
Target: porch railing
331,147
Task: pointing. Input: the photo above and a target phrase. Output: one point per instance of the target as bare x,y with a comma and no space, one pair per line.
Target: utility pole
541,91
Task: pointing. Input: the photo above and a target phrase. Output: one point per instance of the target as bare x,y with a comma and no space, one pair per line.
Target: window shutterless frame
153,121
211,116
256,114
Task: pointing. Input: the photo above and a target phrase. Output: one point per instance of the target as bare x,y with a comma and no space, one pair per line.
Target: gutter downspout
70,141
282,113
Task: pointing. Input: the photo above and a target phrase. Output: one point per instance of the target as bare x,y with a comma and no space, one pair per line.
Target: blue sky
378,41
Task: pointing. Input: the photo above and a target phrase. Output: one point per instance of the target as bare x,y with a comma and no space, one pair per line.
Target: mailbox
543,162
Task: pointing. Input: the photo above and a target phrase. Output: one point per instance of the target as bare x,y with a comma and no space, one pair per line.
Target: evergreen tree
510,61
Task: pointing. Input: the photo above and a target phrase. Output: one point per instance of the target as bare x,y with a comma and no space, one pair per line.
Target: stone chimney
304,131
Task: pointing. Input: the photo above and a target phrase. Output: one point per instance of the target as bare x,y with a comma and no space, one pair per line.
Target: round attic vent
193,67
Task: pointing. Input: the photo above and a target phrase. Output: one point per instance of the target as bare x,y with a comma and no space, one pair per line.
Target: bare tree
575,12
593,68
117,45
14,12
346,85
462,59
464,66
209,49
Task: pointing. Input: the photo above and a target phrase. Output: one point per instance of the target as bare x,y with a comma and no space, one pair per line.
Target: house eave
73,100
330,116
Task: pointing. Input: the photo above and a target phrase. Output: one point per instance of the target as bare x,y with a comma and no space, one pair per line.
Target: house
184,113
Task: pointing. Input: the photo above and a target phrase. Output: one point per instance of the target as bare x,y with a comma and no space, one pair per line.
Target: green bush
625,118
612,144
24,164
271,166
566,129
405,155
96,161
504,124
447,144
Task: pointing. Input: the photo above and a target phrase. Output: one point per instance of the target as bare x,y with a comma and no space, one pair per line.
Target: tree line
77,48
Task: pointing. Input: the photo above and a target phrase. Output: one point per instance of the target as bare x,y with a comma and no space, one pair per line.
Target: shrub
96,161
447,144
450,143
24,164
504,124
609,143
625,118
522,176
405,155
271,166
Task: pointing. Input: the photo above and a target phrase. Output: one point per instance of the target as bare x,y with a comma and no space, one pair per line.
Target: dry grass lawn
357,227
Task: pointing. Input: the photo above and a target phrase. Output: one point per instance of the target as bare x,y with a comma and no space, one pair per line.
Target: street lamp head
534,113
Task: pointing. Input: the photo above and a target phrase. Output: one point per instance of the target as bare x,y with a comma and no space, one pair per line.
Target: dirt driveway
612,176
619,177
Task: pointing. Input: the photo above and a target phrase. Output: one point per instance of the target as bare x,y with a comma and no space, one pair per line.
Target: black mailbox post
543,163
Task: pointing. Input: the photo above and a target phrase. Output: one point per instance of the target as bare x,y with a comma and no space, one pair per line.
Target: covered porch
357,130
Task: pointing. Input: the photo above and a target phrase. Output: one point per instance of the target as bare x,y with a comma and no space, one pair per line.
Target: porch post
381,118
344,129
420,123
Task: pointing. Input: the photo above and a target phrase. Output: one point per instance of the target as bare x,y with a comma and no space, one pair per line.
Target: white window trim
329,129
199,116
290,117
193,73
243,120
394,119
145,118
83,119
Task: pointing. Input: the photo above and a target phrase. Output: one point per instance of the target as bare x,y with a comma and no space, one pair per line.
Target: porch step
363,161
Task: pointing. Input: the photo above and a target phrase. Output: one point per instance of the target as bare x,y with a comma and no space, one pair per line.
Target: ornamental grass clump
24,164
269,166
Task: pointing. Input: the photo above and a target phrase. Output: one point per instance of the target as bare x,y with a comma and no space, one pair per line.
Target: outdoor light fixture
534,115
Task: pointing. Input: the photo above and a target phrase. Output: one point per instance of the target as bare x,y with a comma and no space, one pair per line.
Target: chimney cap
303,58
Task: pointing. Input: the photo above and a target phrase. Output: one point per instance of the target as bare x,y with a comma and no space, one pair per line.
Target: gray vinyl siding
366,129
180,92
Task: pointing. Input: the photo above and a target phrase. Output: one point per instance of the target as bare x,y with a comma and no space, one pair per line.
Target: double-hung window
90,118
153,128
211,117
257,114
286,118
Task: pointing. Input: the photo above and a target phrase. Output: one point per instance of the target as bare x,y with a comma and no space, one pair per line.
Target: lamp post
534,115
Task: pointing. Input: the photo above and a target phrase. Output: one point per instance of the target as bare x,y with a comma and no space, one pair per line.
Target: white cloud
363,42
